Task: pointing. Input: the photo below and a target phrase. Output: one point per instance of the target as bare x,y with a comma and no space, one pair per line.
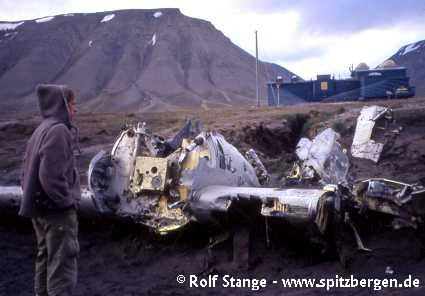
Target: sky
308,37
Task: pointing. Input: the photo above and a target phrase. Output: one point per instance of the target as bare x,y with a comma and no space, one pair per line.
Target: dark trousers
58,248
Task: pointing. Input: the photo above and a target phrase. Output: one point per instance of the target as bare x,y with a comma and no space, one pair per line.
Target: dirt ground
119,258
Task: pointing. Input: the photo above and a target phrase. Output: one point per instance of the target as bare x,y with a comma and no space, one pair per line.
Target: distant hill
128,60
412,56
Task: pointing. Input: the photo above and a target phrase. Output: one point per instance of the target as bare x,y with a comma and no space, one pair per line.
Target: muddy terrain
120,258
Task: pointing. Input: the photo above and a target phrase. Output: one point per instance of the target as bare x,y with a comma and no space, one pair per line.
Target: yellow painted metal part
170,228
191,162
150,173
183,192
295,172
173,218
275,206
192,159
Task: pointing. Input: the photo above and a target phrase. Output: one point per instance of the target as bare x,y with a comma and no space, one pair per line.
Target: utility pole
256,69
278,94
279,81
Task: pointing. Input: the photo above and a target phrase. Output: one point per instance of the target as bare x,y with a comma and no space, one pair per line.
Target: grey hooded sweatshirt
50,181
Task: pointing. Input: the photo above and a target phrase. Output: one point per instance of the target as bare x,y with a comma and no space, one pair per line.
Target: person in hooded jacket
51,192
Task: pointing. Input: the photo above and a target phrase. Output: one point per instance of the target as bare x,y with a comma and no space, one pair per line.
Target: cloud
300,54
372,46
342,16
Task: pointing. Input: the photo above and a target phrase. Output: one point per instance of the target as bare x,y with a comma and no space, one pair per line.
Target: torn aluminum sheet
325,156
295,205
10,198
363,146
401,200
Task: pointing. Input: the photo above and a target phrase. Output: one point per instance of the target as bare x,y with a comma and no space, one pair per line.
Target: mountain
128,60
412,56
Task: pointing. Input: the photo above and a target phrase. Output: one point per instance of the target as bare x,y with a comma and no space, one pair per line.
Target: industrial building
386,81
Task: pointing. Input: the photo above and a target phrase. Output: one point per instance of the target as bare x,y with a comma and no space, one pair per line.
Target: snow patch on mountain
9,26
44,19
157,14
107,18
409,48
153,40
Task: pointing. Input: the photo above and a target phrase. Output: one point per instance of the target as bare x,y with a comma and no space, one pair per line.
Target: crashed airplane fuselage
200,178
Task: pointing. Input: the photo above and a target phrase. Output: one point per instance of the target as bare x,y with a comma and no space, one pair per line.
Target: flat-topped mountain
128,60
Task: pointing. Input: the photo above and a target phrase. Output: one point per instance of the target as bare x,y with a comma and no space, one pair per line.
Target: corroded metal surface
363,144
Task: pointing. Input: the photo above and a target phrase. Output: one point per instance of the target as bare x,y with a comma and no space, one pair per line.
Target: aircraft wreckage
165,184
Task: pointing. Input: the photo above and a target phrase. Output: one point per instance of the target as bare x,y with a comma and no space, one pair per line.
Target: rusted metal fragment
260,170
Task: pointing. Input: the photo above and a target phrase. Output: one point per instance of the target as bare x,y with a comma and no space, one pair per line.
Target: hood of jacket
52,102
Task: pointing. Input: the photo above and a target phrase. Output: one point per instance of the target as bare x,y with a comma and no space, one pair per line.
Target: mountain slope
412,56
128,60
